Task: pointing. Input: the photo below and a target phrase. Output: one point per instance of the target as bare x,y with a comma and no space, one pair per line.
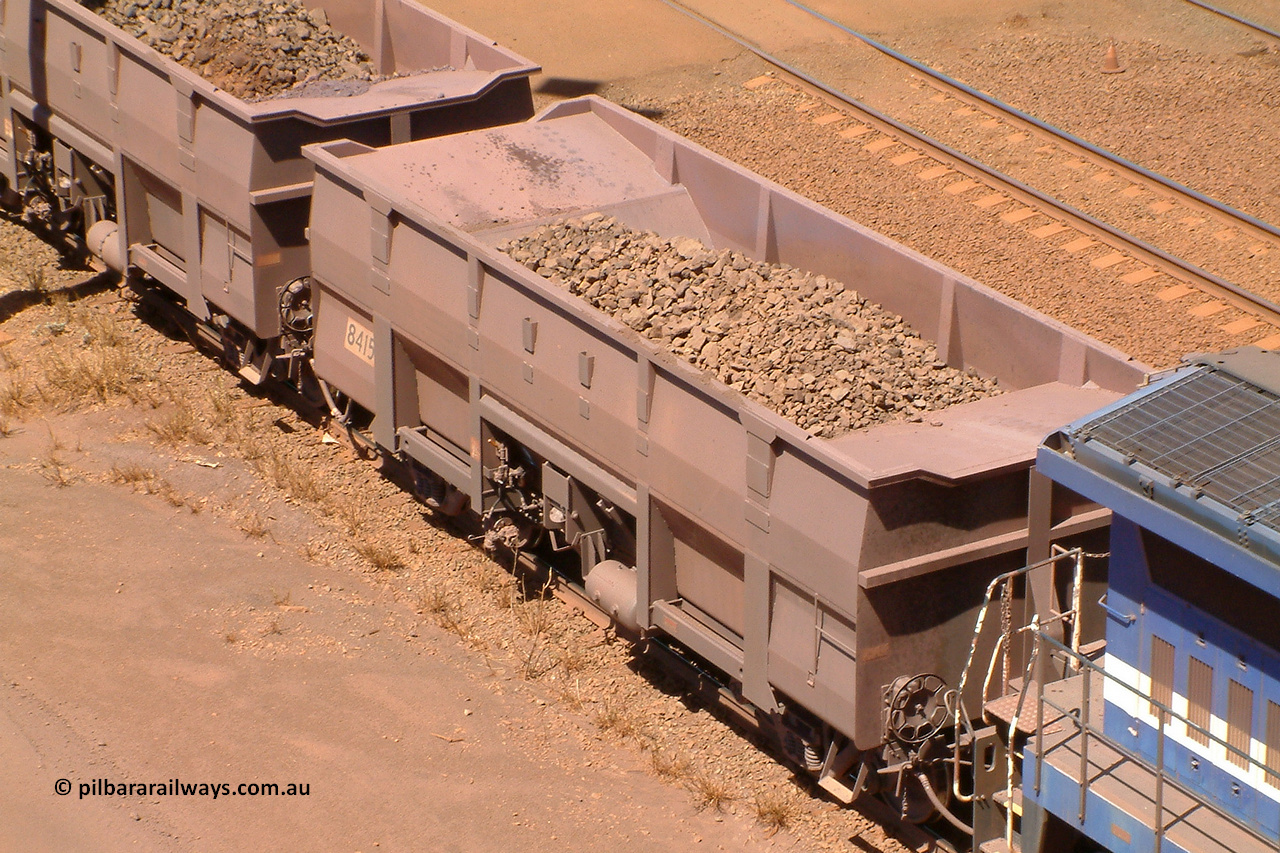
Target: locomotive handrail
1077,554
1010,753
1125,619
1164,715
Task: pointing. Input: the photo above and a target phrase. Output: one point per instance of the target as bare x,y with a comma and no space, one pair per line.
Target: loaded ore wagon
107,133
738,423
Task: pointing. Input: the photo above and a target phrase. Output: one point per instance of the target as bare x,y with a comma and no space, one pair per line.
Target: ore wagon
832,582
208,193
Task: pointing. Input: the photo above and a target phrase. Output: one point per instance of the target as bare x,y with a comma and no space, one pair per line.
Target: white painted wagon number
359,340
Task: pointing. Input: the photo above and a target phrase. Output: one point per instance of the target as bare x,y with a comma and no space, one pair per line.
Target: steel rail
1153,256
1234,17
1189,196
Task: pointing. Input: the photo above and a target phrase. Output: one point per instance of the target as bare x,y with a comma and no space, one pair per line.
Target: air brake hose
923,779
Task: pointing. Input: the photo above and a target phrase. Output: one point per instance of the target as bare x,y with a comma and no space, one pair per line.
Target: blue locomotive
1166,738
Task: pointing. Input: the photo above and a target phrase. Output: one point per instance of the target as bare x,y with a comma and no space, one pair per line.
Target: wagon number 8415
359,340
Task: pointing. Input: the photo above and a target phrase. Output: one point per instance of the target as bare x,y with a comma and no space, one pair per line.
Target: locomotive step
1003,709
1002,799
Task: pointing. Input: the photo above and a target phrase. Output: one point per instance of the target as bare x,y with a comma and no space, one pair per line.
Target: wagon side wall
739,524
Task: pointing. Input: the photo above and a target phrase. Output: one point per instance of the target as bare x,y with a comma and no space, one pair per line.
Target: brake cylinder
104,243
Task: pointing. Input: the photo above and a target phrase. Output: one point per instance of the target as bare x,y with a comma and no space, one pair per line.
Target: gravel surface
1206,119
253,51
1128,113
1210,242
815,352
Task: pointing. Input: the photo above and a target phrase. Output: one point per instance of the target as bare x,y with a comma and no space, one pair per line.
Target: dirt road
141,643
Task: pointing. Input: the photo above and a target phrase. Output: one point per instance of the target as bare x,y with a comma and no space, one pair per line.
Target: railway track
1015,201
1231,16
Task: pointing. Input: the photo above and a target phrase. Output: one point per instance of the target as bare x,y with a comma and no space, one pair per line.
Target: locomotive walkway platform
1120,803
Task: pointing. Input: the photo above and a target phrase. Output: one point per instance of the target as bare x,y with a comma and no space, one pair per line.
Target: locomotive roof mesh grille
1210,430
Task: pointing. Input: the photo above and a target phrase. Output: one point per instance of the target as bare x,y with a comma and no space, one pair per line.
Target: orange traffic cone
1111,64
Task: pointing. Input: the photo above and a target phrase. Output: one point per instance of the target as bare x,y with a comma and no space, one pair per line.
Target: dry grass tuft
533,617
571,696
383,558
55,443
349,512
294,478
172,496
616,719
776,810
54,469
506,594
132,474
434,600
180,425
668,767
36,281
100,329
223,405
101,367
16,393
572,660
536,660
490,578
710,792
87,375
243,432
443,607
254,524
146,480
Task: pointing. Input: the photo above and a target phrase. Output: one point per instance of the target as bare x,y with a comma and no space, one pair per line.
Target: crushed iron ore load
820,355
251,50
